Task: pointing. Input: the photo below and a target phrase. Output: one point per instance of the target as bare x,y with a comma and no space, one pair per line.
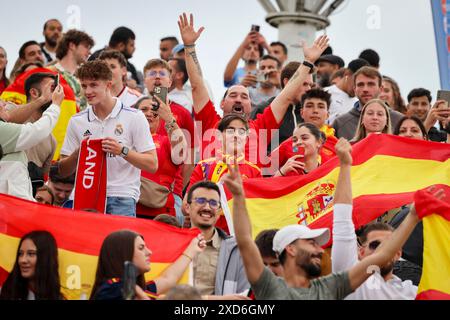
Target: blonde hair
361,132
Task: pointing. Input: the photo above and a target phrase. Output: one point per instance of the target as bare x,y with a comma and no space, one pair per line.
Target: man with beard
267,84
39,156
326,66
123,39
218,270
237,100
16,138
72,51
52,32
299,248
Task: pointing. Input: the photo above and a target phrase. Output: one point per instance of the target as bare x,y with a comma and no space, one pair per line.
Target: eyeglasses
240,131
374,245
154,74
213,204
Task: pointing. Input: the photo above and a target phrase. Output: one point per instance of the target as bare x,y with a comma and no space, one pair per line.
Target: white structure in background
298,20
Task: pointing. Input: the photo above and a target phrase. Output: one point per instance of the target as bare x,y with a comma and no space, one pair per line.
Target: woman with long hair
35,273
4,82
126,245
308,138
375,118
392,96
411,127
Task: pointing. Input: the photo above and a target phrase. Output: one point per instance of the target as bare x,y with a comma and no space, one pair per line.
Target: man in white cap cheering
299,248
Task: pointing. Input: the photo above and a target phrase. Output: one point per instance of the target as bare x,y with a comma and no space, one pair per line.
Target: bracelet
189,45
279,170
184,254
309,65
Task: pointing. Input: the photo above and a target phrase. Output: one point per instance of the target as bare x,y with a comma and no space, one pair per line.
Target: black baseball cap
331,58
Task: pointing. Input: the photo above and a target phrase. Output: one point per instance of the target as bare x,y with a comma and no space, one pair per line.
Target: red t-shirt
185,122
256,147
165,176
213,169
284,152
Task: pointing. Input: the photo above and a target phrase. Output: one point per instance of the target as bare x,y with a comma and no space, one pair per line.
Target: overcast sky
400,30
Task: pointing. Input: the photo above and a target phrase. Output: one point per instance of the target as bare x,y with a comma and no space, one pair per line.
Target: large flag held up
386,172
15,93
435,214
79,236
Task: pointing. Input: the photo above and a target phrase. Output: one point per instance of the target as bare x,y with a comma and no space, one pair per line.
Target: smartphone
444,95
57,81
261,77
129,281
298,151
255,28
160,92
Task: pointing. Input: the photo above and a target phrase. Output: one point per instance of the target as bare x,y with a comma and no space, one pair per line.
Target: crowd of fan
167,155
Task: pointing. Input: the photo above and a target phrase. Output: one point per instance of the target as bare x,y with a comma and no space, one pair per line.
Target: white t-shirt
344,255
341,102
130,128
129,97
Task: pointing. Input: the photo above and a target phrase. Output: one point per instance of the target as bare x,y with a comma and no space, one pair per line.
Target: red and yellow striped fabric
15,93
79,236
386,172
435,214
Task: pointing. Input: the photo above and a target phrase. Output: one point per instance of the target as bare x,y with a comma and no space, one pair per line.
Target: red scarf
90,184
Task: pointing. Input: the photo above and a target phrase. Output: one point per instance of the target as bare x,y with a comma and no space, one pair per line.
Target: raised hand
233,179
187,31
344,152
315,51
58,95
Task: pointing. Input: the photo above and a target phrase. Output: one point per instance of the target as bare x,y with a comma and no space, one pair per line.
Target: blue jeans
121,206
178,204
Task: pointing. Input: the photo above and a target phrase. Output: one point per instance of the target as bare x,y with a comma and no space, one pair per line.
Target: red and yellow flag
435,214
15,93
387,170
79,236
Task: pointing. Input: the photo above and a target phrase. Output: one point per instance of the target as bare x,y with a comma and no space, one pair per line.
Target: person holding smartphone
306,143
126,245
315,110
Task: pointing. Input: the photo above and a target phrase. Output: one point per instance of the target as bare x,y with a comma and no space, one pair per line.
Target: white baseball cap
289,234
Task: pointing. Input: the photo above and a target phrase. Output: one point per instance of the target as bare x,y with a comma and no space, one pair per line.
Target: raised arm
33,133
189,36
344,252
251,257
22,113
174,272
234,61
290,91
387,250
178,144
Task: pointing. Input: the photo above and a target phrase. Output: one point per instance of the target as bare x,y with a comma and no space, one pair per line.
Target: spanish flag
435,214
79,236
387,170
15,93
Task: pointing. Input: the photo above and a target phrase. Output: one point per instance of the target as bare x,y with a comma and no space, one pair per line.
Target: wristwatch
171,125
124,152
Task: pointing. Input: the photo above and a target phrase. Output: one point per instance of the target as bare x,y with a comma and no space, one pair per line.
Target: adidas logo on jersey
87,134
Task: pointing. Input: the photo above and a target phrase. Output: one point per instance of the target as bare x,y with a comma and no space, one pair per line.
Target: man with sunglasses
218,270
